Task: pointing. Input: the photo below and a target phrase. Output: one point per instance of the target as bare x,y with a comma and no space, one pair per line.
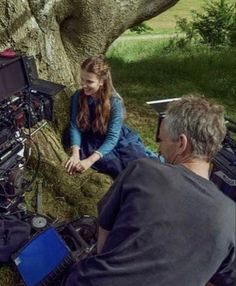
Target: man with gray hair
167,224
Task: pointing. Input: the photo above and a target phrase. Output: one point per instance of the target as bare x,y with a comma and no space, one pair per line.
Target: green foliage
215,26
232,32
141,28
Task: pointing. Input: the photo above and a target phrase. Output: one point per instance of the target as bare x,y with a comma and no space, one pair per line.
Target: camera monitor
12,77
37,85
160,106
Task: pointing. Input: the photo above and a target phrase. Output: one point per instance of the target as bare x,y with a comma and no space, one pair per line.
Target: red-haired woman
98,137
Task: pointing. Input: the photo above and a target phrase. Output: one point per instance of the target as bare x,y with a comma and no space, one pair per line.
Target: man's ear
182,143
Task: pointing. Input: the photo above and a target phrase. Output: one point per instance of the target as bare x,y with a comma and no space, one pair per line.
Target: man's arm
102,237
109,207
226,274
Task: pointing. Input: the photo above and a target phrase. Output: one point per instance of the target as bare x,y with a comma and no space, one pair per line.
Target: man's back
168,226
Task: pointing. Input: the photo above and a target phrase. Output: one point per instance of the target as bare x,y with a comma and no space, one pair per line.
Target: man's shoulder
227,207
148,168
148,164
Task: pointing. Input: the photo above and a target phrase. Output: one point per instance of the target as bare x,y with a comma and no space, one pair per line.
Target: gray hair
201,120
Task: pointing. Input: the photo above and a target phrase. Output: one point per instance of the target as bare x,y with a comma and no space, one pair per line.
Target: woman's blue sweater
114,125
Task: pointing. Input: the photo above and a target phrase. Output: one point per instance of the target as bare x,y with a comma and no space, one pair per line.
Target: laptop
43,259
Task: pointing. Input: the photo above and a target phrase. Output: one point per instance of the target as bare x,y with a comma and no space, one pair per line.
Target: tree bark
60,34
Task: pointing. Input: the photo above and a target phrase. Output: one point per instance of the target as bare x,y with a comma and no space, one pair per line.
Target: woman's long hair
100,68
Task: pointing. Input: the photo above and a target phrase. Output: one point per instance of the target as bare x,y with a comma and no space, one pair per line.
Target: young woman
98,137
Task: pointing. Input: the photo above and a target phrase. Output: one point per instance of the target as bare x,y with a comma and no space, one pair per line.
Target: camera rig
25,101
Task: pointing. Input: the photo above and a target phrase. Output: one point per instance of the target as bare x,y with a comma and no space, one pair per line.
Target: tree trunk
60,34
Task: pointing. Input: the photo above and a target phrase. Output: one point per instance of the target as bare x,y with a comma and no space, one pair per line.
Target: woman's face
90,82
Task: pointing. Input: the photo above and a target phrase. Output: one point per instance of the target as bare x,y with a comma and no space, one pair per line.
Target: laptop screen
41,256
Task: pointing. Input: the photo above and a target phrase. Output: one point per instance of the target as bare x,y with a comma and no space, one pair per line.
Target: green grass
143,71
165,23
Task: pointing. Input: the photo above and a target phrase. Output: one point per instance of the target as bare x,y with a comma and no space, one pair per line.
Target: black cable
28,94
37,166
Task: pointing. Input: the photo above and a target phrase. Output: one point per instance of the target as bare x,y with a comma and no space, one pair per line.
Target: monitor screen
12,77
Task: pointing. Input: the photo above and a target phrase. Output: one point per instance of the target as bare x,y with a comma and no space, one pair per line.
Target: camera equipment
25,101
23,104
160,106
223,171
160,117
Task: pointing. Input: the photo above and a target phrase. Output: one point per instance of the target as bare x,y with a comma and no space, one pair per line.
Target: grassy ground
144,71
